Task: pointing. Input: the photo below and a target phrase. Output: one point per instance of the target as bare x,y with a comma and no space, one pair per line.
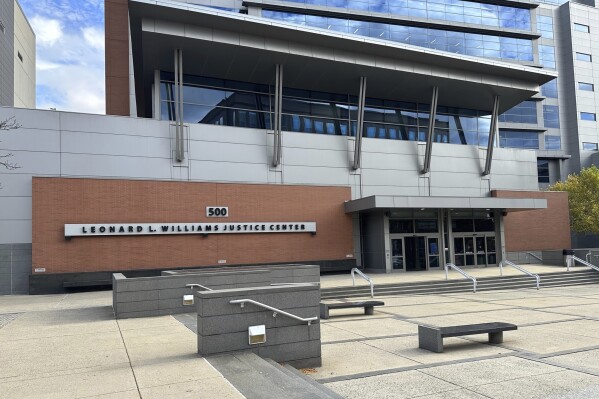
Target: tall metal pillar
431,131
360,126
492,136
276,158
179,139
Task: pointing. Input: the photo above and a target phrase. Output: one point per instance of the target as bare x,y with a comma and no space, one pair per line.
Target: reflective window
588,116
583,57
553,142
448,10
581,27
511,138
543,170
451,41
241,104
401,226
551,115
525,112
586,86
549,89
589,146
545,26
547,56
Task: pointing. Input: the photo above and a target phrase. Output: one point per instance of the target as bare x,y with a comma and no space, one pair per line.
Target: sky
70,53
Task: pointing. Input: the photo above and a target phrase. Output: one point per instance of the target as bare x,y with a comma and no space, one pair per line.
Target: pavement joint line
408,368
343,341
449,382
80,370
565,366
59,302
446,314
129,358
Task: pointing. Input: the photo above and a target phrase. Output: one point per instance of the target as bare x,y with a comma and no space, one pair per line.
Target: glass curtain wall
447,10
474,44
240,104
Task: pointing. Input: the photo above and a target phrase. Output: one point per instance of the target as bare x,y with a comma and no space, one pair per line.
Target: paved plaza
70,346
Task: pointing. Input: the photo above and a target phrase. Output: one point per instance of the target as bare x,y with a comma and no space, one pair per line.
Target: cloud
47,31
70,53
94,37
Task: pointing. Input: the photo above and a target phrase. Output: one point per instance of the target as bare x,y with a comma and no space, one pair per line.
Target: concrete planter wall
223,327
163,295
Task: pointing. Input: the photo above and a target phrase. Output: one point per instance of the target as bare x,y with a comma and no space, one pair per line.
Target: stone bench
431,337
367,305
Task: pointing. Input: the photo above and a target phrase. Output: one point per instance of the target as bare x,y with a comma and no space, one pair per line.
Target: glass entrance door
433,252
415,253
397,258
474,250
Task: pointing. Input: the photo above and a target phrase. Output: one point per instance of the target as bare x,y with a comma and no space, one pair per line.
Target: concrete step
257,378
581,277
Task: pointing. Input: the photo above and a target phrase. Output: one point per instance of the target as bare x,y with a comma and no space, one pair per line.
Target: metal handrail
365,277
523,270
584,263
463,273
276,311
198,285
534,256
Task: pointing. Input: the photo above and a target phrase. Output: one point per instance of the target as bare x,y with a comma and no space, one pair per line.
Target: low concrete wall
163,295
279,274
524,258
223,327
555,257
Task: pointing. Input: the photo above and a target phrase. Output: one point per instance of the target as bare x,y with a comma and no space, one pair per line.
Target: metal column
276,158
431,131
360,124
179,145
492,135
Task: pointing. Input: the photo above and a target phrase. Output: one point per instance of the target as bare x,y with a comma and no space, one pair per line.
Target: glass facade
549,89
512,138
230,103
545,26
553,142
447,10
451,41
525,112
547,56
551,116
589,146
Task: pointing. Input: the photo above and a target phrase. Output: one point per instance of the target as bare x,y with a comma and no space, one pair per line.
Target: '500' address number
217,211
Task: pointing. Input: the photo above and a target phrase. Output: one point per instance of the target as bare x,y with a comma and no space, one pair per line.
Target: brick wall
539,229
60,201
116,14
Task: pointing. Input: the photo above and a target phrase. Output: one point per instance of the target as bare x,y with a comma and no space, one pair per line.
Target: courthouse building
390,135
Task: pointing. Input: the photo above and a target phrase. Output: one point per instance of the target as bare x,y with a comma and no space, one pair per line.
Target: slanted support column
360,125
431,131
276,158
179,147
492,135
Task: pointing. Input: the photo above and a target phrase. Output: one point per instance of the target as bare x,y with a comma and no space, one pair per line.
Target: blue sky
70,53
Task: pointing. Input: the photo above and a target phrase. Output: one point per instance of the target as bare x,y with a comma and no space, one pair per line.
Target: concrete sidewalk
70,346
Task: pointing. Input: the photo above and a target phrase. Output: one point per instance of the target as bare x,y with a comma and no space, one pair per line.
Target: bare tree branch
6,125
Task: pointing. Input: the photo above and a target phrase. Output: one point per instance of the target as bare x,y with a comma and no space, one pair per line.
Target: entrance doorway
475,250
412,253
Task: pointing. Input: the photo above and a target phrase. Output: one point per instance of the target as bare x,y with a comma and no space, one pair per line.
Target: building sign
217,211
131,229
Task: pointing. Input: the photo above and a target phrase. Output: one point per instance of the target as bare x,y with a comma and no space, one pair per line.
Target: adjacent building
17,57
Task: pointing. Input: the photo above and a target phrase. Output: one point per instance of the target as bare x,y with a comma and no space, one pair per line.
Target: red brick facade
539,229
60,201
116,14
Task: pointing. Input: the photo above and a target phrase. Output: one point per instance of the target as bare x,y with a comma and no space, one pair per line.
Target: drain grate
5,319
